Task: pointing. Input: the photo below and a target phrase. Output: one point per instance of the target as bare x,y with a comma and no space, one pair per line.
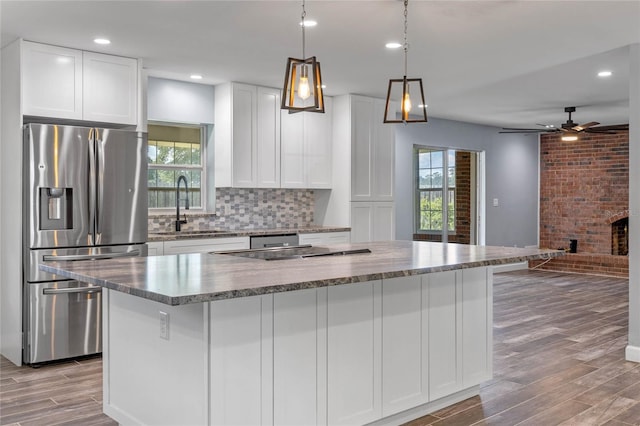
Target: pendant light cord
304,14
406,44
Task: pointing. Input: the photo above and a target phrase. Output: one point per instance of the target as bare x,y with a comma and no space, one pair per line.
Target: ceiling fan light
570,137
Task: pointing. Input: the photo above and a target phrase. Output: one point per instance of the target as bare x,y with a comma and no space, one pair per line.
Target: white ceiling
500,63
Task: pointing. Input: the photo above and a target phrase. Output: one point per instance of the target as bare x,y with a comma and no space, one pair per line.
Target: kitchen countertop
220,233
201,277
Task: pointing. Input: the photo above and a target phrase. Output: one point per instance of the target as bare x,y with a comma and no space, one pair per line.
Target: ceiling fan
570,129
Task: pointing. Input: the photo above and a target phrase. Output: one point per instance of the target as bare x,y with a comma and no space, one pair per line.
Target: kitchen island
217,339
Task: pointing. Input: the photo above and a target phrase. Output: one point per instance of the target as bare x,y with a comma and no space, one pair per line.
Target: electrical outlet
496,202
164,325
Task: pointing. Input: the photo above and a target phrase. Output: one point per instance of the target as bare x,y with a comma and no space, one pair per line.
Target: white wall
180,101
511,176
633,348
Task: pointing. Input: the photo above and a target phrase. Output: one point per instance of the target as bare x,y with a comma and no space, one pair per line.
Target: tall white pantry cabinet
41,82
370,175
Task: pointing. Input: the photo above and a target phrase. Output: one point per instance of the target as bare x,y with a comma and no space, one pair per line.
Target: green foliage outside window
430,175
173,151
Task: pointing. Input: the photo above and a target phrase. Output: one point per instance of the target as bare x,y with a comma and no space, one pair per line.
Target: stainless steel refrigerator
84,197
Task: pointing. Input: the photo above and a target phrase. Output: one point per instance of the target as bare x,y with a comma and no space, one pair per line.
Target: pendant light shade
406,92
302,90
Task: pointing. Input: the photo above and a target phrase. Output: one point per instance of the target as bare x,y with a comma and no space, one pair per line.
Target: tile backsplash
251,208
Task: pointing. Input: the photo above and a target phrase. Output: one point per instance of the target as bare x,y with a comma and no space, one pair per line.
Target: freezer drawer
64,320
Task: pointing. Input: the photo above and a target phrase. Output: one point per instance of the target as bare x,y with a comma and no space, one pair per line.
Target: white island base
381,352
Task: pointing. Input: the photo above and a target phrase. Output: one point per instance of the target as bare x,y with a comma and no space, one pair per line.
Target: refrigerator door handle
92,197
53,257
90,289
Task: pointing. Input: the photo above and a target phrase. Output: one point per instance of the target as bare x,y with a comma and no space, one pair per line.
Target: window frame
444,189
204,137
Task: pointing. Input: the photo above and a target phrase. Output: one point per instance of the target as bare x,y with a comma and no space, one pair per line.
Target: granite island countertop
224,233
202,277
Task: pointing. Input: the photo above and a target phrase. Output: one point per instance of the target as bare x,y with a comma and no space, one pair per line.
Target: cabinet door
241,361
205,245
361,222
268,138
297,349
362,139
383,136
405,362
354,353
292,149
318,140
110,88
384,222
244,122
444,336
155,248
372,221
52,81
477,323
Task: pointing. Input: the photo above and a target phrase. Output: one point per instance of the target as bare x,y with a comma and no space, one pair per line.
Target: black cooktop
292,252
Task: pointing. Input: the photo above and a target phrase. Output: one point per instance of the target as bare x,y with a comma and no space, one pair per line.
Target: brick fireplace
584,195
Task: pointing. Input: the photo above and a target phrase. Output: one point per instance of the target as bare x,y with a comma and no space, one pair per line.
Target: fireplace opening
620,237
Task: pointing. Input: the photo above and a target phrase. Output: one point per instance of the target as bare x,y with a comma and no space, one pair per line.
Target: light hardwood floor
558,358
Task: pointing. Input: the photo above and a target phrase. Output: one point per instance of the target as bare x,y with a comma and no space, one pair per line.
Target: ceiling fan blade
582,127
612,127
530,130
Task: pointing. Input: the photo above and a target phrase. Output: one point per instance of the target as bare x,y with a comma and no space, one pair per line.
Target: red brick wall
582,185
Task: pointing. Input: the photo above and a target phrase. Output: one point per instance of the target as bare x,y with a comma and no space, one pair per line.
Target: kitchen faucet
186,201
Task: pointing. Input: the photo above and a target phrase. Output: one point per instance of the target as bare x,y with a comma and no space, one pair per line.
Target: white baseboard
507,267
632,353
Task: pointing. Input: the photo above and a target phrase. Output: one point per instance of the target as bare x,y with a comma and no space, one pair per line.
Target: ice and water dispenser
56,208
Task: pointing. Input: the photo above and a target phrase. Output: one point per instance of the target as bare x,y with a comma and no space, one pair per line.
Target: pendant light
302,89
407,91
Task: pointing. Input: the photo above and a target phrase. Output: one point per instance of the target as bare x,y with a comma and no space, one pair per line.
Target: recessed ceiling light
196,76
422,106
393,45
324,86
101,41
309,23
605,74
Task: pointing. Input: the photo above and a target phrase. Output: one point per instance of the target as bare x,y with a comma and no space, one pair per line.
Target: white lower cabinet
155,248
477,326
325,238
405,344
241,361
354,352
350,354
372,221
299,357
444,333
205,245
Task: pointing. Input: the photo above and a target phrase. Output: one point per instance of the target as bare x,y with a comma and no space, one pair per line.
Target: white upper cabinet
70,84
258,145
306,149
372,151
51,81
268,138
247,136
110,88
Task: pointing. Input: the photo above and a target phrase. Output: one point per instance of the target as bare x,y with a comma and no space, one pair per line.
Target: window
435,189
175,150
